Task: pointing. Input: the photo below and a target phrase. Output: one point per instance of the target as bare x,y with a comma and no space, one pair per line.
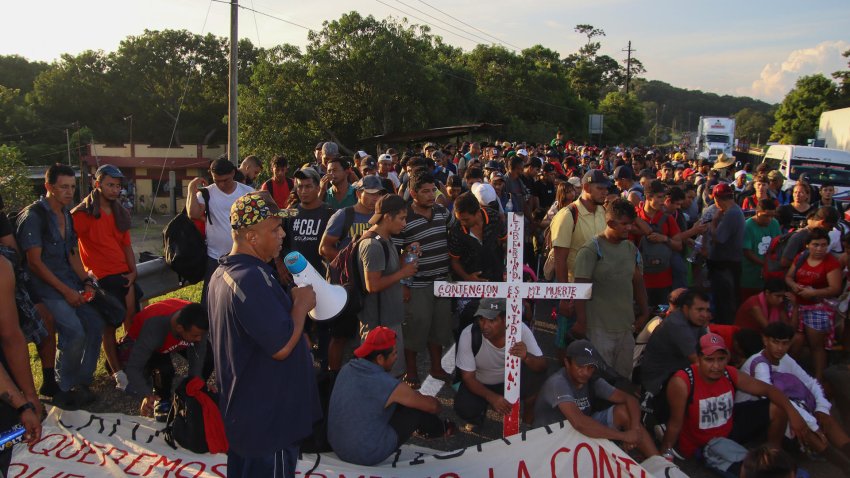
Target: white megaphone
330,299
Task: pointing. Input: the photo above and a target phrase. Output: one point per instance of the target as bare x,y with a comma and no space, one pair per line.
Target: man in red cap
703,411
372,413
727,252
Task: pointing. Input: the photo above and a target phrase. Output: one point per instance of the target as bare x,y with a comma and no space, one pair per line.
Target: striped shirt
432,236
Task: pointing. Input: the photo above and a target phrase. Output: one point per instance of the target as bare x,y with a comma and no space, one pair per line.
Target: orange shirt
101,244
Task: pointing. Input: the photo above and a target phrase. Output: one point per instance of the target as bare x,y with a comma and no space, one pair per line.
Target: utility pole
629,66
68,143
232,113
132,146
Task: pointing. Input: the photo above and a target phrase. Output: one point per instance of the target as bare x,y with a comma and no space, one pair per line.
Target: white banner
81,444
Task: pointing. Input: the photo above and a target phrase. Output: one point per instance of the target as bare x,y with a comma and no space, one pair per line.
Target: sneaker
49,389
66,400
161,410
659,431
85,395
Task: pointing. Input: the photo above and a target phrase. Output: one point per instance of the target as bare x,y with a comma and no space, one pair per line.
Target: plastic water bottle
509,206
692,257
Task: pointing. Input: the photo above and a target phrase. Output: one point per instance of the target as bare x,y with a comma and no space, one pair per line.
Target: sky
746,47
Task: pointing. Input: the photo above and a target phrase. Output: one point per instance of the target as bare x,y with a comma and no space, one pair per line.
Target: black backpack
185,249
345,270
185,423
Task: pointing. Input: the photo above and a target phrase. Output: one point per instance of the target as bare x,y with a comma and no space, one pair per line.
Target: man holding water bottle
383,271
427,319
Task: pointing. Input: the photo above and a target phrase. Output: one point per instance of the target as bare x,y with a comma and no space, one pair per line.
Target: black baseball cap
624,172
582,352
108,170
595,176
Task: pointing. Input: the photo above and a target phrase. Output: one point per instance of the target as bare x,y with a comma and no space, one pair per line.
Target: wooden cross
514,290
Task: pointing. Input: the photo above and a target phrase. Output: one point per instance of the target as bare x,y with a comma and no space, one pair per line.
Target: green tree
17,188
624,117
752,125
843,78
17,72
277,109
798,115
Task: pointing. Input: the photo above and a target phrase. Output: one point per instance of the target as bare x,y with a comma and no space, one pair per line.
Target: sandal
413,382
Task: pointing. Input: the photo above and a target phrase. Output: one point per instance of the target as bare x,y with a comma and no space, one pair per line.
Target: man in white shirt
774,366
481,362
213,207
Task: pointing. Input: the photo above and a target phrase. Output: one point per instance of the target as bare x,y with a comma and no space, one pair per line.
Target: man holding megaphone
258,345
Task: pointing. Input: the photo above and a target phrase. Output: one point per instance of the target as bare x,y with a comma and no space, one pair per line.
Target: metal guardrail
156,278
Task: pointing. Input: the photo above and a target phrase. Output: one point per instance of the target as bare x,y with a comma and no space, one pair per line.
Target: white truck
715,135
820,165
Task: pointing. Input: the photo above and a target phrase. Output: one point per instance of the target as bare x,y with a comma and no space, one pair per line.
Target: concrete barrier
156,278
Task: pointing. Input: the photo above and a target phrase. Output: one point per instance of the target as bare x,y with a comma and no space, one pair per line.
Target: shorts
816,318
605,417
345,326
561,334
427,320
750,420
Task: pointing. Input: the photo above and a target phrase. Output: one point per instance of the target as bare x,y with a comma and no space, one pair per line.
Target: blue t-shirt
358,226
359,428
55,251
267,404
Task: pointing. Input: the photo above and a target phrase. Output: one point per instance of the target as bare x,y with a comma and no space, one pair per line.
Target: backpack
477,340
656,256
184,248
772,268
186,424
549,265
345,270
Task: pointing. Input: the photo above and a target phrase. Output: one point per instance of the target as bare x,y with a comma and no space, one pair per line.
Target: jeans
280,464
725,277
78,344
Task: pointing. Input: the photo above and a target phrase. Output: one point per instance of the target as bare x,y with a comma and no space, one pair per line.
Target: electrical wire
429,24
173,131
471,26
486,40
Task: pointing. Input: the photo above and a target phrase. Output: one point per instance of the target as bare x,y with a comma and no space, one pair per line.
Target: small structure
147,168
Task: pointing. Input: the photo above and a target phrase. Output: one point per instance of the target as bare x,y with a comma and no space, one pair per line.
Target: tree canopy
357,77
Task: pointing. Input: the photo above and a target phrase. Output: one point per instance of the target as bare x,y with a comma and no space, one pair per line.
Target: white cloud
777,79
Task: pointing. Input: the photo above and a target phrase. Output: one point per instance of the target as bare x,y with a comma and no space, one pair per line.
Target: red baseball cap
688,172
379,338
723,190
711,342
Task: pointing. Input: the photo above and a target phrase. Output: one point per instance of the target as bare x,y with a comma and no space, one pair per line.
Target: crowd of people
718,292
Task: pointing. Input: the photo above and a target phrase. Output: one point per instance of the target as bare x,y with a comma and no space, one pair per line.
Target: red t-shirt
280,192
814,276
101,244
167,307
750,202
710,413
669,229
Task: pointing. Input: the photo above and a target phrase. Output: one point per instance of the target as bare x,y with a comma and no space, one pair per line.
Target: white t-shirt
489,363
219,240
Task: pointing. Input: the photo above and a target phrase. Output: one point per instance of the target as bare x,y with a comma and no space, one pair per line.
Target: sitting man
572,393
481,361
173,325
774,366
372,413
703,415
673,345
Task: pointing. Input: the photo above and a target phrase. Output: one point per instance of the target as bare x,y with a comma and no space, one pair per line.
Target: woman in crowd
814,278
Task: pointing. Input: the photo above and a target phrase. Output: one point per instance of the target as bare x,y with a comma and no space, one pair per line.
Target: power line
425,22
487,40
265,15
466,80
471,26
